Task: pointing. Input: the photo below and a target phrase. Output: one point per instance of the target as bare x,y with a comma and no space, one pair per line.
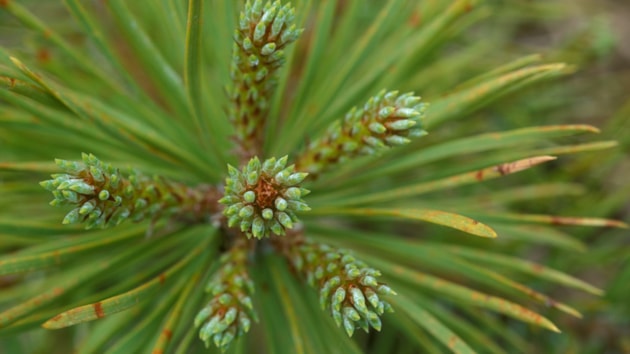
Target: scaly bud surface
260,40
386,120
348,288
264,198
104,197
229,314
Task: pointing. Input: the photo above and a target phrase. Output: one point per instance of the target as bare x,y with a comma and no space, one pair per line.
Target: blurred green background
594,36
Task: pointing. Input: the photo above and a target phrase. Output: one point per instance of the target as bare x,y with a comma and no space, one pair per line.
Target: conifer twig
228,315
348,288
104,197
262,34
386,120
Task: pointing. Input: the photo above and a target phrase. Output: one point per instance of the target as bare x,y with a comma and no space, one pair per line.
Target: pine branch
228,315
348,288
386,120
104,197
262,35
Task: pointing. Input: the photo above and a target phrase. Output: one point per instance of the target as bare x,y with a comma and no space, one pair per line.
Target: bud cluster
104,197
386,120
347,287
262,33
229,314
264,198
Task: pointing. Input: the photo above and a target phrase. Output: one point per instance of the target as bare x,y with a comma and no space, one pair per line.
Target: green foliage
218,252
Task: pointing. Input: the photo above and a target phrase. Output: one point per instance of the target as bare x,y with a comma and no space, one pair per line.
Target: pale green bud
87,207
218,337
249,196
348,325
296,178
49,185
407,112
384,289
259,32
258,227
285,220
268,49
72,217
386,112
374,320
230,316
336,315
377,128
202,316
70,196
350,313
246,212
358,300
280,204
228,337
244,323
276,228
338,297
267,214
401,124
368,281
396,140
